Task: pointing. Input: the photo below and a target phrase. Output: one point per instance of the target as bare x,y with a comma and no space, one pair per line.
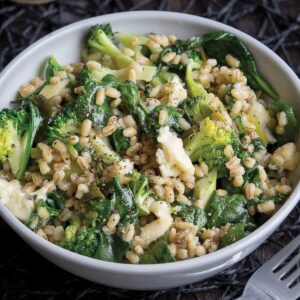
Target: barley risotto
150,150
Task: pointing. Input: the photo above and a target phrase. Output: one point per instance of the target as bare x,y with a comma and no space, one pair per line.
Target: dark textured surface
26,275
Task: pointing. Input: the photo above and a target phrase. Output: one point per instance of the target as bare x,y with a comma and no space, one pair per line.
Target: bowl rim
209,259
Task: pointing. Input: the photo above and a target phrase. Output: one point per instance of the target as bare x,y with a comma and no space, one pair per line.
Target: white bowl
65,45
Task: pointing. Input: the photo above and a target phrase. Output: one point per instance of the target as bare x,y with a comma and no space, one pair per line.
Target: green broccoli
18,128
146,73
52,67
163,77
100,39
196,109
65,124
142,42
68,120
141,190
85,241
194,88
208,145
103,150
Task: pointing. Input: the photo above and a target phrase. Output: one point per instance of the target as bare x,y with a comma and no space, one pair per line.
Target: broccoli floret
84,242
68,120
146,73
142,42
64,125
163,77
18,128
104,151
152,126
100,38
140,187
196,109
194,88
52,66
208,145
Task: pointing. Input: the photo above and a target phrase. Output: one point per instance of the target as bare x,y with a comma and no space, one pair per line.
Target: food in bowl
150,150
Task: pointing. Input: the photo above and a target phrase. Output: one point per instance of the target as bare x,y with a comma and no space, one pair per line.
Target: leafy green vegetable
68,120
205,187
219,43
132,102
235,233
124,198
58,198
290,129
188,47
111,248
43,213
193,214
119,141
158,252
18,128
152,126
228,209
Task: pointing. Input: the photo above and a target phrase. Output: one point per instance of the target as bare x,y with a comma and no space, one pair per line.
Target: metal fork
278,278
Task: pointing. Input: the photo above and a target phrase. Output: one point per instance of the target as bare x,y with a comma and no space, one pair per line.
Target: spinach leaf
120,248
219,43
189,47
158,252
111,248
58,198
235,233
124,198
193,214
290,129
104,250
119,141
228,209
151,125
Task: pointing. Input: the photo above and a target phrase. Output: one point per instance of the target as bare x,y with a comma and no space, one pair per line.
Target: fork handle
252,292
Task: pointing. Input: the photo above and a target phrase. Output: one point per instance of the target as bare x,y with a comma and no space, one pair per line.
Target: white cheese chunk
157,228
172,158
15,200
19,203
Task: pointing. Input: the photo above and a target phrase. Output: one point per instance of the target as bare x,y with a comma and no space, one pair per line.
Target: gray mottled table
26,275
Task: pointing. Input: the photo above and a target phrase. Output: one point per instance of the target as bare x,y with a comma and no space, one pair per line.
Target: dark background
24,274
